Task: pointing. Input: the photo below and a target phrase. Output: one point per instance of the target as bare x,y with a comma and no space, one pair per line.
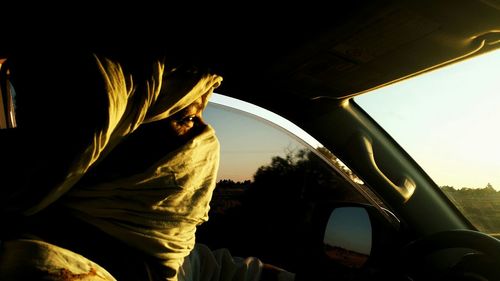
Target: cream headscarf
156,211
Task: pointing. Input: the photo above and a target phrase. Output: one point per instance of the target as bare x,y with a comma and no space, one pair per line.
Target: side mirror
348,236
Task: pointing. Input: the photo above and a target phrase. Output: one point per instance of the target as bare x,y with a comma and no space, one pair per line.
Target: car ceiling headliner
307,50
347,49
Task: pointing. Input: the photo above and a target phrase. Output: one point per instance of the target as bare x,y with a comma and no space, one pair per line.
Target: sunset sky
448,120
248,142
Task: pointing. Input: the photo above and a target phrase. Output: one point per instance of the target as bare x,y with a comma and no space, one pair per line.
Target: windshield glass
448,121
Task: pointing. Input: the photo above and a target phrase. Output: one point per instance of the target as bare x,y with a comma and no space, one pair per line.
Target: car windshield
447,120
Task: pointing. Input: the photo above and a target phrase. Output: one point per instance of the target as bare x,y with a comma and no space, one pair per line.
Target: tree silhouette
275,214
489,188
448,189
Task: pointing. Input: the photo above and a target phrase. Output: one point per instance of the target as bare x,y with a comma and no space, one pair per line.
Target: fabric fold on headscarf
156,211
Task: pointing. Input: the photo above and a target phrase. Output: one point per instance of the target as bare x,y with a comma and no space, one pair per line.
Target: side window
270,182
447,120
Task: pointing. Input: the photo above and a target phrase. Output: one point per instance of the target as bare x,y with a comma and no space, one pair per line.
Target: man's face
187,119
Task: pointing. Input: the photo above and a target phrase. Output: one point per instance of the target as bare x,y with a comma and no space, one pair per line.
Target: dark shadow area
273,217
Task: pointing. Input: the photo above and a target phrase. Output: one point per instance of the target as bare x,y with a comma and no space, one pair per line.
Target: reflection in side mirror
348,236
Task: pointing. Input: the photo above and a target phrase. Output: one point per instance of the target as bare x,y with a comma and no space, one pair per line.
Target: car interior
306,64
309,71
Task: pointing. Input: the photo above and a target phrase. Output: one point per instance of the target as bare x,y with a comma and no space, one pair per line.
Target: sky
248,142
448,120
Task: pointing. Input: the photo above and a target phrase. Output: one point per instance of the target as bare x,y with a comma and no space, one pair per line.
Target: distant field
346,257
481,208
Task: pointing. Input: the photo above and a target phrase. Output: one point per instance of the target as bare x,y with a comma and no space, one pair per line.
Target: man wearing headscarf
110,171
